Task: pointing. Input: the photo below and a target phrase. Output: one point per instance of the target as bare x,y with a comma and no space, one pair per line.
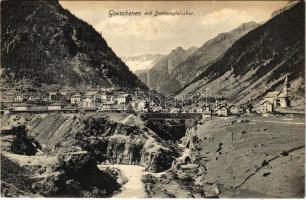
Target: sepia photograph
152,99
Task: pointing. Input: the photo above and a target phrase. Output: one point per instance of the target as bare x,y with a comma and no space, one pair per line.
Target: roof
282,94
21,105
222,107
233,106
56,104
205,112
122,96
76,95
272,94
87,100
266,102
57,93
91,93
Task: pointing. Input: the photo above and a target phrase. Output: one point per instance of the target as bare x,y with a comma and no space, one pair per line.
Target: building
267,107
206,108
140,105
18,98
234,110
75,99
109,105
21,107
122,99
206,113
103,96
222,111
55,106
88,103
57,96
279,98
175,110
93,95
157,109
198,110
7,97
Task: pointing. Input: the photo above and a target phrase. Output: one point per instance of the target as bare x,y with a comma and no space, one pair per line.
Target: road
279,122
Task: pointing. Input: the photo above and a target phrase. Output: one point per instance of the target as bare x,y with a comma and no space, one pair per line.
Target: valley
222,120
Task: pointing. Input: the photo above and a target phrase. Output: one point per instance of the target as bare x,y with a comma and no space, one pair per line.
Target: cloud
226,16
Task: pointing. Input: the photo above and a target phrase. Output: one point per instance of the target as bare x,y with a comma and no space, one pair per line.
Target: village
116,100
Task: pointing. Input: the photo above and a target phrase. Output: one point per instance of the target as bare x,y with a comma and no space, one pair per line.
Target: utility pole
206,94
201,98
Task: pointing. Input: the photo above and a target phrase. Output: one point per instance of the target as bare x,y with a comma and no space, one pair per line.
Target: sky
136,35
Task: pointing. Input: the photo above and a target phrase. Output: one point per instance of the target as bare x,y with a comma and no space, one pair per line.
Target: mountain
42,43
140,63
188,67
158,76
208,53
259,62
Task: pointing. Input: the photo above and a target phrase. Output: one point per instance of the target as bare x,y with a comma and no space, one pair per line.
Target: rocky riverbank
80,142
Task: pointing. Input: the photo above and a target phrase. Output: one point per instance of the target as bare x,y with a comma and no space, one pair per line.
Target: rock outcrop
122,144
20,142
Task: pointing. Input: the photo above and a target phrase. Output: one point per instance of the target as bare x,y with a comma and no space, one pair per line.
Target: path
279,122
23,160
134,187
125,120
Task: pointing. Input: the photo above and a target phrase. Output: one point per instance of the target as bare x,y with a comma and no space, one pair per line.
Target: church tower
286,87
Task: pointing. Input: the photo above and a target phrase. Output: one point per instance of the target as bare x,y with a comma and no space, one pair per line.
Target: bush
148,178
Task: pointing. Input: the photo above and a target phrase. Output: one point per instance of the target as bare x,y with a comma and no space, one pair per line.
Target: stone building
234,110
267,107
76,99
222,111
279,98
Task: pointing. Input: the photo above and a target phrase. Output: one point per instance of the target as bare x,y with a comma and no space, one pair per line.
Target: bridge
182,116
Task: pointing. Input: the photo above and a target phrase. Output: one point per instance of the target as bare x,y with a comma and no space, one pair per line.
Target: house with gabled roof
234,110
222,111
267,107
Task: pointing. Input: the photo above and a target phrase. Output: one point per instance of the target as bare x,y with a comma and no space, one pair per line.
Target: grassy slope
239,165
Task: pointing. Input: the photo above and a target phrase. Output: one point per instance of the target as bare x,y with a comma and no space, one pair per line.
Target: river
133,188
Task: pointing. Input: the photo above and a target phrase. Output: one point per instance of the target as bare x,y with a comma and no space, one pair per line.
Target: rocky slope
44,43
107,140
208,53
158,77
59,166
259,61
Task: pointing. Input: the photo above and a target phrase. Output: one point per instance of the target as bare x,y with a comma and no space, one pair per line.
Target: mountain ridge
179,73
156,78
259,61
43,43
